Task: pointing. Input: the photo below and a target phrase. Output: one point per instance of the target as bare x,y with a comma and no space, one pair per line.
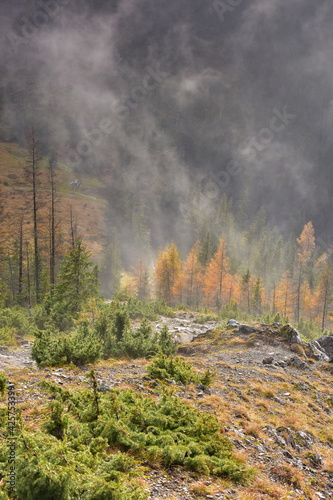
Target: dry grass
200,488
287,475
254,429
263,488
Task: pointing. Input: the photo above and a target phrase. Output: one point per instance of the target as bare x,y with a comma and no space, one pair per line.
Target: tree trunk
52,229
20,274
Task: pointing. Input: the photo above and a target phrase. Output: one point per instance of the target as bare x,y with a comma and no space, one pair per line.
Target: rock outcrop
326,344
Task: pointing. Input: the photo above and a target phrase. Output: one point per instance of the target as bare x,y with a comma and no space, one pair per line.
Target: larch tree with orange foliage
232,289
285,295
167,274
192,277
308,302
306,246
216,276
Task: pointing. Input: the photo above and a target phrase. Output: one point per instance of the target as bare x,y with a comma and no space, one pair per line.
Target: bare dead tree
72,226
20,259
32,175
54,220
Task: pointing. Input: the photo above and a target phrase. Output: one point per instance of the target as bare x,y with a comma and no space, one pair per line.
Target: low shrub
55,348
15,321
3,383
203,319
177,369
167,344
108,339
7,336
92,444
120,340
136,308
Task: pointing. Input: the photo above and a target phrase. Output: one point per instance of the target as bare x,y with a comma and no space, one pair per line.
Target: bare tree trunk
327,293
28,275
52,227
20,274
298,299
274,299
32,175
73,225
11,275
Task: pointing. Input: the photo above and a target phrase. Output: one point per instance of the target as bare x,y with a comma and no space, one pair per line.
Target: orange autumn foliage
192,277
285,295
217,277
168,274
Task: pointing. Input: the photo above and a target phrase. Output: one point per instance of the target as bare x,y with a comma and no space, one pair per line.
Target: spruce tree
77,279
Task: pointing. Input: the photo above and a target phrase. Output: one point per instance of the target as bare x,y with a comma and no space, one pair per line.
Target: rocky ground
273,401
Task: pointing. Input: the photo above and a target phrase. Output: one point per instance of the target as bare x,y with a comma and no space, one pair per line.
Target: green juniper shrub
14,321
85,346
203,319
175,368
145,330
103,325
50,348
167,343
142,309
121,340
170,432
3,383
120,325
91,376
7,336
18,319
70,456
55,390
207,378
269,319
53,314
57,423
230,310
55,348
112,331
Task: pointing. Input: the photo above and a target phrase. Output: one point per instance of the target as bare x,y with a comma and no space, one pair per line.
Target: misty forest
166,250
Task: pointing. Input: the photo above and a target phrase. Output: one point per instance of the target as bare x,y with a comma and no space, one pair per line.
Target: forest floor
279,416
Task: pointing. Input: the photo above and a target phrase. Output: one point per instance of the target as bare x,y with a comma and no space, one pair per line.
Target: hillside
275,405
86,200
166,166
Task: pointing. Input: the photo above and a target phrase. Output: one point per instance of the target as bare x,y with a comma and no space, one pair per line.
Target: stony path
16,358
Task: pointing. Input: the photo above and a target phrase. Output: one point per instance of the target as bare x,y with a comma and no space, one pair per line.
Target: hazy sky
230,96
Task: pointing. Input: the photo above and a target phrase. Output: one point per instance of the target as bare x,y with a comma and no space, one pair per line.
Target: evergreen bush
3,383
55,348
92,445
177,369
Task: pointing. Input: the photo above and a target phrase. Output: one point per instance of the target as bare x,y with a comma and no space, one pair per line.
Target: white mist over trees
193,122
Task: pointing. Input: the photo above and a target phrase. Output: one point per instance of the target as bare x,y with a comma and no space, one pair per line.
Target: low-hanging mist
173,105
